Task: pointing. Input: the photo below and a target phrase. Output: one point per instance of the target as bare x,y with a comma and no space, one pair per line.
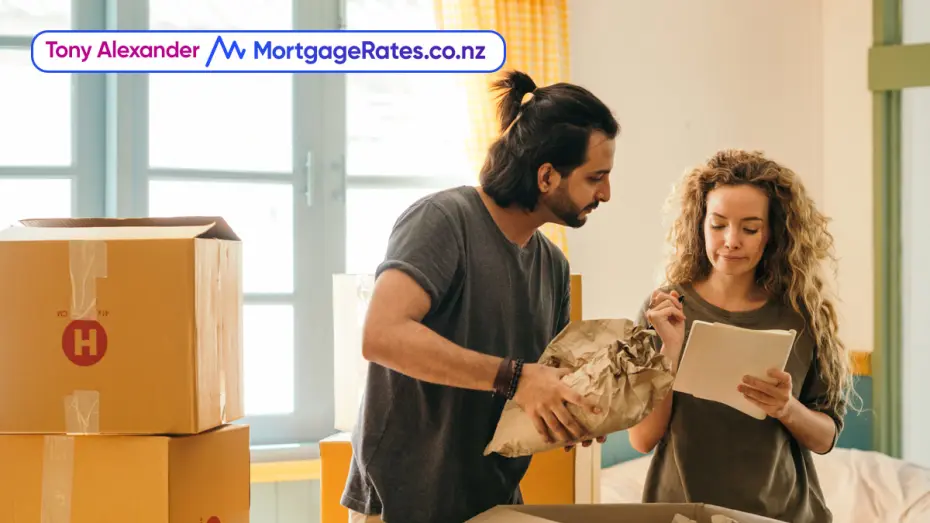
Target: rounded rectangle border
280,51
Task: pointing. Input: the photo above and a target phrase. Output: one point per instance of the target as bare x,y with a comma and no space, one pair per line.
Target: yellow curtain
536,35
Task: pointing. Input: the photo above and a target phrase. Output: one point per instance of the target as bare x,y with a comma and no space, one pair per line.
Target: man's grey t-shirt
418,447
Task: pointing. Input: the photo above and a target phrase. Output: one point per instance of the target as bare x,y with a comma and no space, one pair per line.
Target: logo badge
84,342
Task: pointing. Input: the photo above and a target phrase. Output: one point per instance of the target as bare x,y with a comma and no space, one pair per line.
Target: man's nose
604,191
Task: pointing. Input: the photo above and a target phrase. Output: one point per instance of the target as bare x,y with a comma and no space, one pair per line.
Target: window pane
268,359
915,278
370,217
260,213
915,21
28,17
222,122
35,112
212,15
33,198
404,124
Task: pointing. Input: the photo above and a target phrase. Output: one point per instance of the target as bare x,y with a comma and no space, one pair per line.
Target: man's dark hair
553,126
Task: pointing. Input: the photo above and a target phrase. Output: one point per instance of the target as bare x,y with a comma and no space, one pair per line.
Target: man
469,291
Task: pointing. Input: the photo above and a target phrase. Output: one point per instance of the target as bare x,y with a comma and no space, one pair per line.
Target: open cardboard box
120,326
620,513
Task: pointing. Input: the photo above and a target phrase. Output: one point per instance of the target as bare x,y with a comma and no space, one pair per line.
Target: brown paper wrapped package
614,362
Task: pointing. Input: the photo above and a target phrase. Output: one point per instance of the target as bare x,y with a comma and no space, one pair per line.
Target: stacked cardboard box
121,372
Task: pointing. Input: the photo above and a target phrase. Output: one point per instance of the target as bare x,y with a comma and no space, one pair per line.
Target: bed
860,486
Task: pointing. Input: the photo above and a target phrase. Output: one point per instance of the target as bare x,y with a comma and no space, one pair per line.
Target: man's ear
547,178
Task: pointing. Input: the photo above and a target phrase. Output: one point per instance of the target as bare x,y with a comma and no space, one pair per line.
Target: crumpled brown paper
615,363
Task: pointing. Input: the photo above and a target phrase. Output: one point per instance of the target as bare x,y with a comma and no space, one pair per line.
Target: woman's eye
717,227
751,231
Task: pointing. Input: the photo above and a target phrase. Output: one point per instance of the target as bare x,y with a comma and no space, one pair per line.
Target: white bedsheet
860,487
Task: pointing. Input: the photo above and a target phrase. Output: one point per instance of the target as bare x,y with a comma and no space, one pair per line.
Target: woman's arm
814,430
665,314
645,435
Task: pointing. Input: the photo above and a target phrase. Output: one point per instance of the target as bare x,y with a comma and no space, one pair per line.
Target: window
36,155
404,135
915,246
310,170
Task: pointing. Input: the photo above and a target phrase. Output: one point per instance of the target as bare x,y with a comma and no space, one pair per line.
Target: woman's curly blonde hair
790,268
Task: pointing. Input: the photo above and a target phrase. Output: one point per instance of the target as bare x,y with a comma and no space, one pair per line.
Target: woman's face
736,228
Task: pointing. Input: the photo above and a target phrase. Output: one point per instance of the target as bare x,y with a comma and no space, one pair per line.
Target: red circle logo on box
84,342
214,519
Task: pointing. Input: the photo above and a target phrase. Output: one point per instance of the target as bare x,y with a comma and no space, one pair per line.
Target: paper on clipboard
717,356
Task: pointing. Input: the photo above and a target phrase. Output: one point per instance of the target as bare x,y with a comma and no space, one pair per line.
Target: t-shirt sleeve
565,311
814,396
426,246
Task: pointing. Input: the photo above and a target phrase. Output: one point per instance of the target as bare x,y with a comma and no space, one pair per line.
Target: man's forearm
814,430
417,351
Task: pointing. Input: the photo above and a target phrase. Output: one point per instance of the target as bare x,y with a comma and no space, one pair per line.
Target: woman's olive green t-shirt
712,453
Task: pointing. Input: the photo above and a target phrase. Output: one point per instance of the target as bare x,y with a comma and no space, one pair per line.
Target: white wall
847,111
688,78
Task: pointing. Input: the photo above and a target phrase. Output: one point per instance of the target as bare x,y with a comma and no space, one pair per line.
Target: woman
748,247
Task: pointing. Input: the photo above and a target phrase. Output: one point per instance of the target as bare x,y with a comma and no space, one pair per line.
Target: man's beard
567,212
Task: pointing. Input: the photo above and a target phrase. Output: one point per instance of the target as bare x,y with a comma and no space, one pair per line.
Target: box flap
598,513
182,227
507,514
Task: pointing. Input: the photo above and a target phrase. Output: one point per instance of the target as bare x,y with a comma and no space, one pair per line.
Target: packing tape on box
82,412
57,479
214,307
228,311
87,262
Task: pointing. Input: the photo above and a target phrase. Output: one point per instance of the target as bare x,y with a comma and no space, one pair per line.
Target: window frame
893,67
317,139
86,171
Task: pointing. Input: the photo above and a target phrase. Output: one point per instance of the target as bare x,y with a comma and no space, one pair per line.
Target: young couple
470,293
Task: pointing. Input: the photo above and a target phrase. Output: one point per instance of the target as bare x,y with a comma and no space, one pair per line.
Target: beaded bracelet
518,369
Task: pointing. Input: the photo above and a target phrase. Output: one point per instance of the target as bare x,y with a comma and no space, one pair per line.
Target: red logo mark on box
84,342
214,519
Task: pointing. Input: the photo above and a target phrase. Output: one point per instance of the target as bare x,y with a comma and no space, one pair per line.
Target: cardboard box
638,513
120,326
202,478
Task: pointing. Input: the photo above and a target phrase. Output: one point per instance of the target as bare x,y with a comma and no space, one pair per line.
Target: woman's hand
775,399
667,317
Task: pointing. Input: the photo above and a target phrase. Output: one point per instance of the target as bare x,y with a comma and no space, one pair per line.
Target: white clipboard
717,356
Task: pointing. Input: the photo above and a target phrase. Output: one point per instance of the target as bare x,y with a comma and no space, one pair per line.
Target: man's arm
394,338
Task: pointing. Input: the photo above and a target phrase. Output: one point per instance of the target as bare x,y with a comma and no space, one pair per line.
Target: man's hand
586,443
775,399
543,396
